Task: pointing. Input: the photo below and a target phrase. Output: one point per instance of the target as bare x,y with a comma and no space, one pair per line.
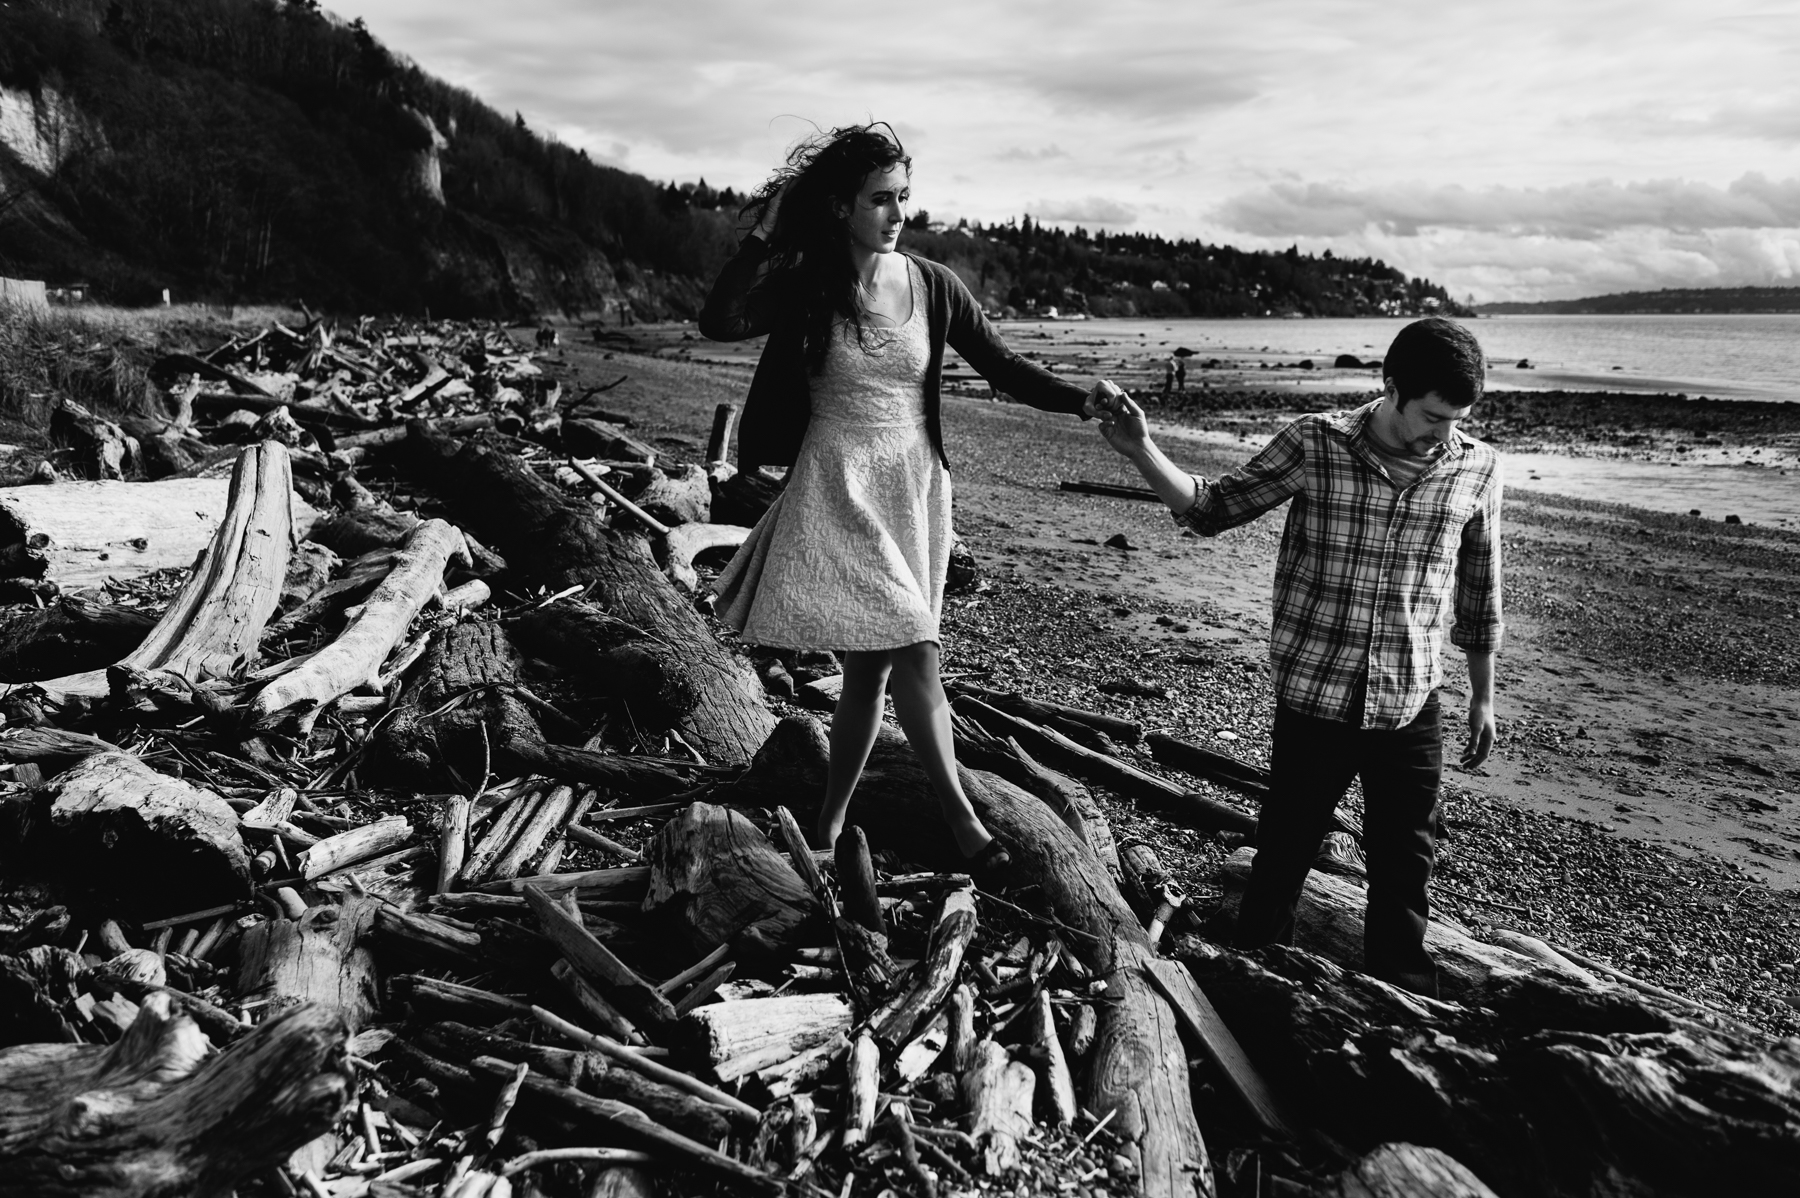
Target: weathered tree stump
317,958
456,718
720,881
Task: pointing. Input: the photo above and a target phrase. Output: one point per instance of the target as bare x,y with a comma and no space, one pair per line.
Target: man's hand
1100,399
1482,731
1126,428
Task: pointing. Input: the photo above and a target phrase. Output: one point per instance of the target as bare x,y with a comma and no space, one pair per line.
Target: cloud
1500,266
1094,210
1041,154
1581,210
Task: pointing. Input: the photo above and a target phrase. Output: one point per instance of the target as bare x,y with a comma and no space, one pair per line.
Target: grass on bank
99,356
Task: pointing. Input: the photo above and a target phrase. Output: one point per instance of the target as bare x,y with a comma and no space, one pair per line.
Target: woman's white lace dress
853,553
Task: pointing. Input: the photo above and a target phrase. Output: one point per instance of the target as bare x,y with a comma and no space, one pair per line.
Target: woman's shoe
992,865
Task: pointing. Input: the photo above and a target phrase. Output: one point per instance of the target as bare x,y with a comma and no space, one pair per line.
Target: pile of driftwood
434,844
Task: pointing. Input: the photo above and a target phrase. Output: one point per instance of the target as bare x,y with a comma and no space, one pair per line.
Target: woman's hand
1125,427
765,224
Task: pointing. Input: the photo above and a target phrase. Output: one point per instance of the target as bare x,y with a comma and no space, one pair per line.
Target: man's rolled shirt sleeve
1479,626
1265,481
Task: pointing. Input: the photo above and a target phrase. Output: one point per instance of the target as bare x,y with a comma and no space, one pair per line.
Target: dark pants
1312,765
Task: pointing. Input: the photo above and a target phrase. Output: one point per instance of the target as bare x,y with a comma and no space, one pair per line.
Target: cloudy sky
1523,149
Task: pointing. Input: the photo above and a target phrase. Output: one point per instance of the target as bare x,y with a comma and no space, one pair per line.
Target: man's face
1424,423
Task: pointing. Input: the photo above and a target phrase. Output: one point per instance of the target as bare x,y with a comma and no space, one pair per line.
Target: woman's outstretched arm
973,335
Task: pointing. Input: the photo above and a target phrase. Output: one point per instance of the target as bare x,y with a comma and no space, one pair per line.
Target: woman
852,555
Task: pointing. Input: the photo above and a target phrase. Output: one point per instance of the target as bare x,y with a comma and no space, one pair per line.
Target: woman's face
875,217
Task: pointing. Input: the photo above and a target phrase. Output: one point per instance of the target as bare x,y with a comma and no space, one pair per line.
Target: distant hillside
1670,300
265,151
254,150
1030,266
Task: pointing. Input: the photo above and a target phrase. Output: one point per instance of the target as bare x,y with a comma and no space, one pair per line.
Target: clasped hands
1122,421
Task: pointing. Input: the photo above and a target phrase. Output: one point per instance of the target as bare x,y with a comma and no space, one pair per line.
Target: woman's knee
866,672
915,661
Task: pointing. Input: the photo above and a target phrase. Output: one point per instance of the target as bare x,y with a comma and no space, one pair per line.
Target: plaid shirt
1367,569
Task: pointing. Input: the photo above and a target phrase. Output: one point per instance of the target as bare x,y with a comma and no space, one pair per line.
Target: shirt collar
1354,423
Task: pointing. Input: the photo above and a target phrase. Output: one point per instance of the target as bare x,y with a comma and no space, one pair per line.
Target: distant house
23,293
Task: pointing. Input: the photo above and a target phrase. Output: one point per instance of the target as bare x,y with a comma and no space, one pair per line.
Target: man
1395,521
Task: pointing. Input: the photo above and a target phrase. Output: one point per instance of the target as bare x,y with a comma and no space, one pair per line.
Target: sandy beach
1647,687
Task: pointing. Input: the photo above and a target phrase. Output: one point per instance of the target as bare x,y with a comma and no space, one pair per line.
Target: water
1724,357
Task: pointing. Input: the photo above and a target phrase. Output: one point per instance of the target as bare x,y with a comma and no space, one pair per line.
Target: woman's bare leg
924,714
853,729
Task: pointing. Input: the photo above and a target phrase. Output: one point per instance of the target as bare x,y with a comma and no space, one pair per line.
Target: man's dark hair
1436,354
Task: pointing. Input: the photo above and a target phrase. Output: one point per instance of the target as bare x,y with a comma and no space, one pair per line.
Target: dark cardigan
745,303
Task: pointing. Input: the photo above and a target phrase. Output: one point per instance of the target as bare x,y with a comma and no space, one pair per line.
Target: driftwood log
126,830
356,656
654,681
1329,922
153,1114
1550,1088
70,636
78,534
1137,1068
555,539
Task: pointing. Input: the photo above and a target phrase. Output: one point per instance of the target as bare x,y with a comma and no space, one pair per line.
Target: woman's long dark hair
809,248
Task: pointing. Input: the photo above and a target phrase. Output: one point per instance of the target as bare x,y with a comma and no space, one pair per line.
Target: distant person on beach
1170,365
1395,524
853,554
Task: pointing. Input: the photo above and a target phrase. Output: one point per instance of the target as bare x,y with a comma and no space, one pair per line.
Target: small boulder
1348,362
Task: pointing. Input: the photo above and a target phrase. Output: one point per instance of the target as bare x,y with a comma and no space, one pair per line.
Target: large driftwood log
1137,1067
720,881
1329,922
356,656
317,958
119,826
1405,1171
1550,1088
153,1115
70,636
77,534
555,539
1071,800
654,680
